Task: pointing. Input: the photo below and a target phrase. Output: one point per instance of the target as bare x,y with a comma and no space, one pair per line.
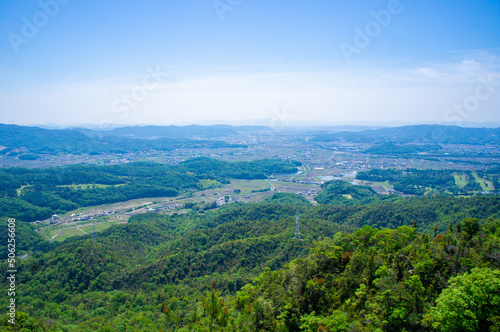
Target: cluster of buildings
118,161
365,166
222,201
302,181
84,216
55,219
309,192
285,156
167,208
174,207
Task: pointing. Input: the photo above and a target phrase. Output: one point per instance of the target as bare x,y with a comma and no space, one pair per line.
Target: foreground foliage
385,280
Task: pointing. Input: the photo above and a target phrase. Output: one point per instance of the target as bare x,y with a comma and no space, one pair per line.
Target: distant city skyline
287,62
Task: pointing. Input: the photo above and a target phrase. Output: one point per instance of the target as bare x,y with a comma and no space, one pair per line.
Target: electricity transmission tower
297,231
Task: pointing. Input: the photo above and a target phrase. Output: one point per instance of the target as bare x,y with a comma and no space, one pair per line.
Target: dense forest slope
19,140
385,280
240,268
419,134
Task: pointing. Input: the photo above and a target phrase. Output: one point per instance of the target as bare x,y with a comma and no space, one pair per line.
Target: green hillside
240,268
430,134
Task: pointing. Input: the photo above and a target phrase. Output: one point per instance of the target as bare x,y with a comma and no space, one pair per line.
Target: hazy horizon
272,123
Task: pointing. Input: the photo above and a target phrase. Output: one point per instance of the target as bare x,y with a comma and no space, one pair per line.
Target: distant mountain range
417,134
22,139
174,131
40,140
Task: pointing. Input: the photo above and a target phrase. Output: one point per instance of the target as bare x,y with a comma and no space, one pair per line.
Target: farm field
485,184
62,231
61,235
88,186
293,187
460,180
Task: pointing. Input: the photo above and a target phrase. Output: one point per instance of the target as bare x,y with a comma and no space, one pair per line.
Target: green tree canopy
470,303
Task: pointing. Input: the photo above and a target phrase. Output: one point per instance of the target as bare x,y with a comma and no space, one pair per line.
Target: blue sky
199,61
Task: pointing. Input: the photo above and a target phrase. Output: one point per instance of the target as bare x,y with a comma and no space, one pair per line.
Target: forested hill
418,134
176,131
378,280
22,139
39,140
240,268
